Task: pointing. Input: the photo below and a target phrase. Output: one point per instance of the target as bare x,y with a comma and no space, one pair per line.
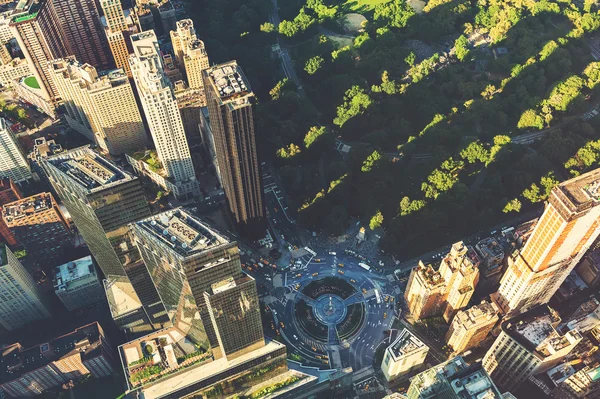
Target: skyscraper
471,327
76,284
102,106
445,291
82,31
162,114
563,234
36,27
528,344
405,354
40,227
102,199
13,163
198,271
460,270
21,301
229,99
118,30
190,54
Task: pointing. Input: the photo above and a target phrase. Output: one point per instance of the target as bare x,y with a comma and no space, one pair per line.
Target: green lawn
362,5
32,82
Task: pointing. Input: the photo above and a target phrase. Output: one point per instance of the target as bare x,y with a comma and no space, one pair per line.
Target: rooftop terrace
26,207
229,81
405,344
72,271
88,169
581,192
182,232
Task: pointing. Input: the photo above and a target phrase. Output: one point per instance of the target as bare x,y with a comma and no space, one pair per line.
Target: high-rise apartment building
189,102
36,27
27,372
8,193
119,28
568,227
13,163
77,285
162,114
102,199
21,302
405,354
198,257
229,99
472,326
528,344
42,149
82,31
425,292
102,106
445,291
460,270
40,227
191,55
454,379
492,260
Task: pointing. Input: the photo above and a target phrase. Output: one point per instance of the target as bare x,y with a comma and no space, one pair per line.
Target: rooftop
587,321
431,381
474,383
121,296
229,81
43,148
490,247
89,169
477,314
581,192
73,271
431,277
182,232
405,344
26,207
223,285
560,373
16,360
25,10
536,331
205,371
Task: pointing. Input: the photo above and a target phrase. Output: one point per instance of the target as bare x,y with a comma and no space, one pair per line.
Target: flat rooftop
25,10
182,232
431,277
477,314
535,330
204,372
16,360
73,271
405,344
27,207
582,190
432,380
89,169
560,373
474,383
490,247
229,82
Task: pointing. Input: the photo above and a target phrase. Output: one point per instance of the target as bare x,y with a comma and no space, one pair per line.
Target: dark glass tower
102,200
189,262
229,99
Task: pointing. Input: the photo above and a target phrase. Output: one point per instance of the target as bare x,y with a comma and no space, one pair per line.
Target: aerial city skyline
246,199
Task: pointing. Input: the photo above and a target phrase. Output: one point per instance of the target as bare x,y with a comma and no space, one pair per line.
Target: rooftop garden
150,157
261,393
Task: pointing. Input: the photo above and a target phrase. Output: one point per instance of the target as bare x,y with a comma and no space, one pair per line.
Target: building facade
406,354
102,106
82,31
568,227
425,292
102,199
229,99
21,301
40,227
162,114
13,163
199,257
28,372
191,55
528,344
36,27
470,327
77,285
8,193
119,28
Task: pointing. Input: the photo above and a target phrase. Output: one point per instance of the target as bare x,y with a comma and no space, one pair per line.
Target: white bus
377,296
365,266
